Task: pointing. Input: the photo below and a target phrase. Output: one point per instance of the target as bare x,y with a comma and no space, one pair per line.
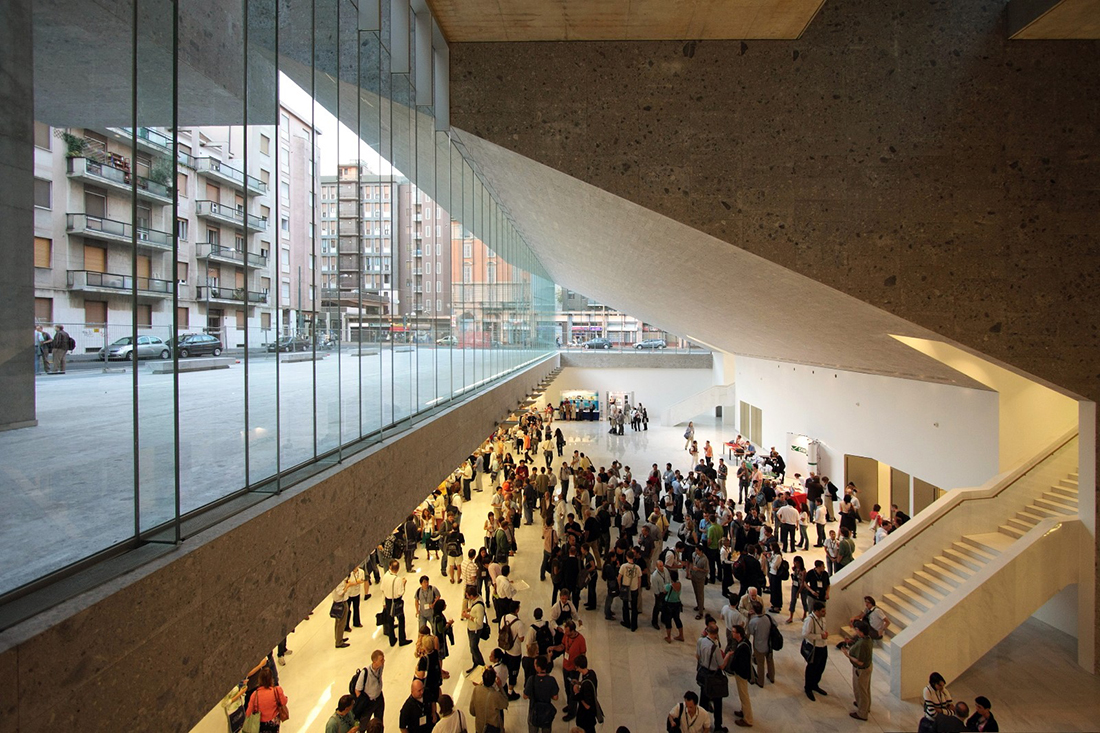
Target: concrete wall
191,621
635,359
943,434
17,215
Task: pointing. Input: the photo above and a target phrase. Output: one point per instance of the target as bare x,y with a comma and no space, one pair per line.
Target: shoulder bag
808,648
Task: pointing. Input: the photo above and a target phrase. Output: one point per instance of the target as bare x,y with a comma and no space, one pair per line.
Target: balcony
226,214
220,294
219,253
227,174
103,174
151,141
111,283
117,231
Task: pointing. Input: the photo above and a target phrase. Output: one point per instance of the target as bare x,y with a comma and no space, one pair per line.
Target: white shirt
698,723
392,586
358,577
812,629
453,723
733,617
517,630
341,593
504,587
787,514
630,576
820,515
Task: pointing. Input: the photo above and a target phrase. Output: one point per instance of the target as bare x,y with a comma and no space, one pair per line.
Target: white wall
945,435
1061,611
1031,414
657,389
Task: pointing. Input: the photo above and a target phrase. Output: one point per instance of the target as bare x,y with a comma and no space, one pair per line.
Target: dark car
597,343
291,343
651,344
194,344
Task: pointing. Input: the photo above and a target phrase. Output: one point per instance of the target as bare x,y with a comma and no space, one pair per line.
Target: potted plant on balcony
161,172
75,147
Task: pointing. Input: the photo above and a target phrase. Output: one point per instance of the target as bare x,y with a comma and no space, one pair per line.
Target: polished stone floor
1031,677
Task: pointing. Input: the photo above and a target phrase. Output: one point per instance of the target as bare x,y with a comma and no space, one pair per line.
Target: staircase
943,570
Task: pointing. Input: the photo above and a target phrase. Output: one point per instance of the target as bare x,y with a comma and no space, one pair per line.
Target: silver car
148,347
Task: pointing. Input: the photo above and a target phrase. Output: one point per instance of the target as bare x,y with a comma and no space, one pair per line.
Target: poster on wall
802,455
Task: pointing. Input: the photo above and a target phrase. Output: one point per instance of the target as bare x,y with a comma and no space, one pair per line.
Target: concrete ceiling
1034,20
621,20
691,283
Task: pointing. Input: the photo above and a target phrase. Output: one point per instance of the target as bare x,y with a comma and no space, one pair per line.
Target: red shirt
265,700
573,648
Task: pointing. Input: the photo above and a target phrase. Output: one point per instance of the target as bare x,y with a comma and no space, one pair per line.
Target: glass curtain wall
267,255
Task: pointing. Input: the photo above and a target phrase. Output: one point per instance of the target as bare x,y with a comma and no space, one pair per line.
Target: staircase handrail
913,529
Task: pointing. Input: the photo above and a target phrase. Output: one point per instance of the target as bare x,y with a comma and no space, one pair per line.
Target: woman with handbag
710,660
815,649
429,667
268,703
670,611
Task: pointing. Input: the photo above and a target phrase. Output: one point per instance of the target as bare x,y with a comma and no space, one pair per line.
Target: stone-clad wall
164,642
903,152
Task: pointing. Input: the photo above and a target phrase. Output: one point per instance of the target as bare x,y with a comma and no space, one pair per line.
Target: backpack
72,342
775,638
505,638
354,681
784,571
543,637
454,544
483,632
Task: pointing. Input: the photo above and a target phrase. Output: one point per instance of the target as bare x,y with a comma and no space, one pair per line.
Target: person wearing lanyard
369,701
416,715
814,631
393,588
572,646
688,717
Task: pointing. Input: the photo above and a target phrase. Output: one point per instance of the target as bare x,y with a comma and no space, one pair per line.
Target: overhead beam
1034,20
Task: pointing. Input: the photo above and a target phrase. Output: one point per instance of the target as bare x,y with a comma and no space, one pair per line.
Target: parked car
597,343
194,344
291,343
651,344
148,347
447,341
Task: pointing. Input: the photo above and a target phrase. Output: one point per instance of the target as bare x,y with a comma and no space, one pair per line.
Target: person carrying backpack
760,632
510,641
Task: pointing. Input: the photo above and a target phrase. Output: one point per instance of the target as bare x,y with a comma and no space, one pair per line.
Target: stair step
965,559
994,543
909,610
958,569
1055,506
931,590
1071,481
1064,491
944,574
934,582
1030,516
880,657
1011,531
913,598
1042,511
897,618
975,550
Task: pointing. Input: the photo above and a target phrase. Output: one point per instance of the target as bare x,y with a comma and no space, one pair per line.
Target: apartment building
86,220
492,298
424,247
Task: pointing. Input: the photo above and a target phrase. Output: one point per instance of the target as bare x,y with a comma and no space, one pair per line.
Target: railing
236,295
216,167
1051,556
214,209
97,226
1041,467
218,251
156,140
81,279
118,176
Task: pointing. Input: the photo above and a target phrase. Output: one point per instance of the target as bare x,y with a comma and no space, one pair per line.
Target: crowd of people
636,547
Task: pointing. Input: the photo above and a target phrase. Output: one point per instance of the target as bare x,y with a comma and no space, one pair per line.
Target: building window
428,213
284,224
438,231
182,271
95,313
284,292
265,177
439,286
43,310
428,305
144,315
43,252
491,272
428,286
242,321
43,194
428,268
42,136
428,249
265,321
467,249
467,273
183,318
265,145
438,305
181,185
181,229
